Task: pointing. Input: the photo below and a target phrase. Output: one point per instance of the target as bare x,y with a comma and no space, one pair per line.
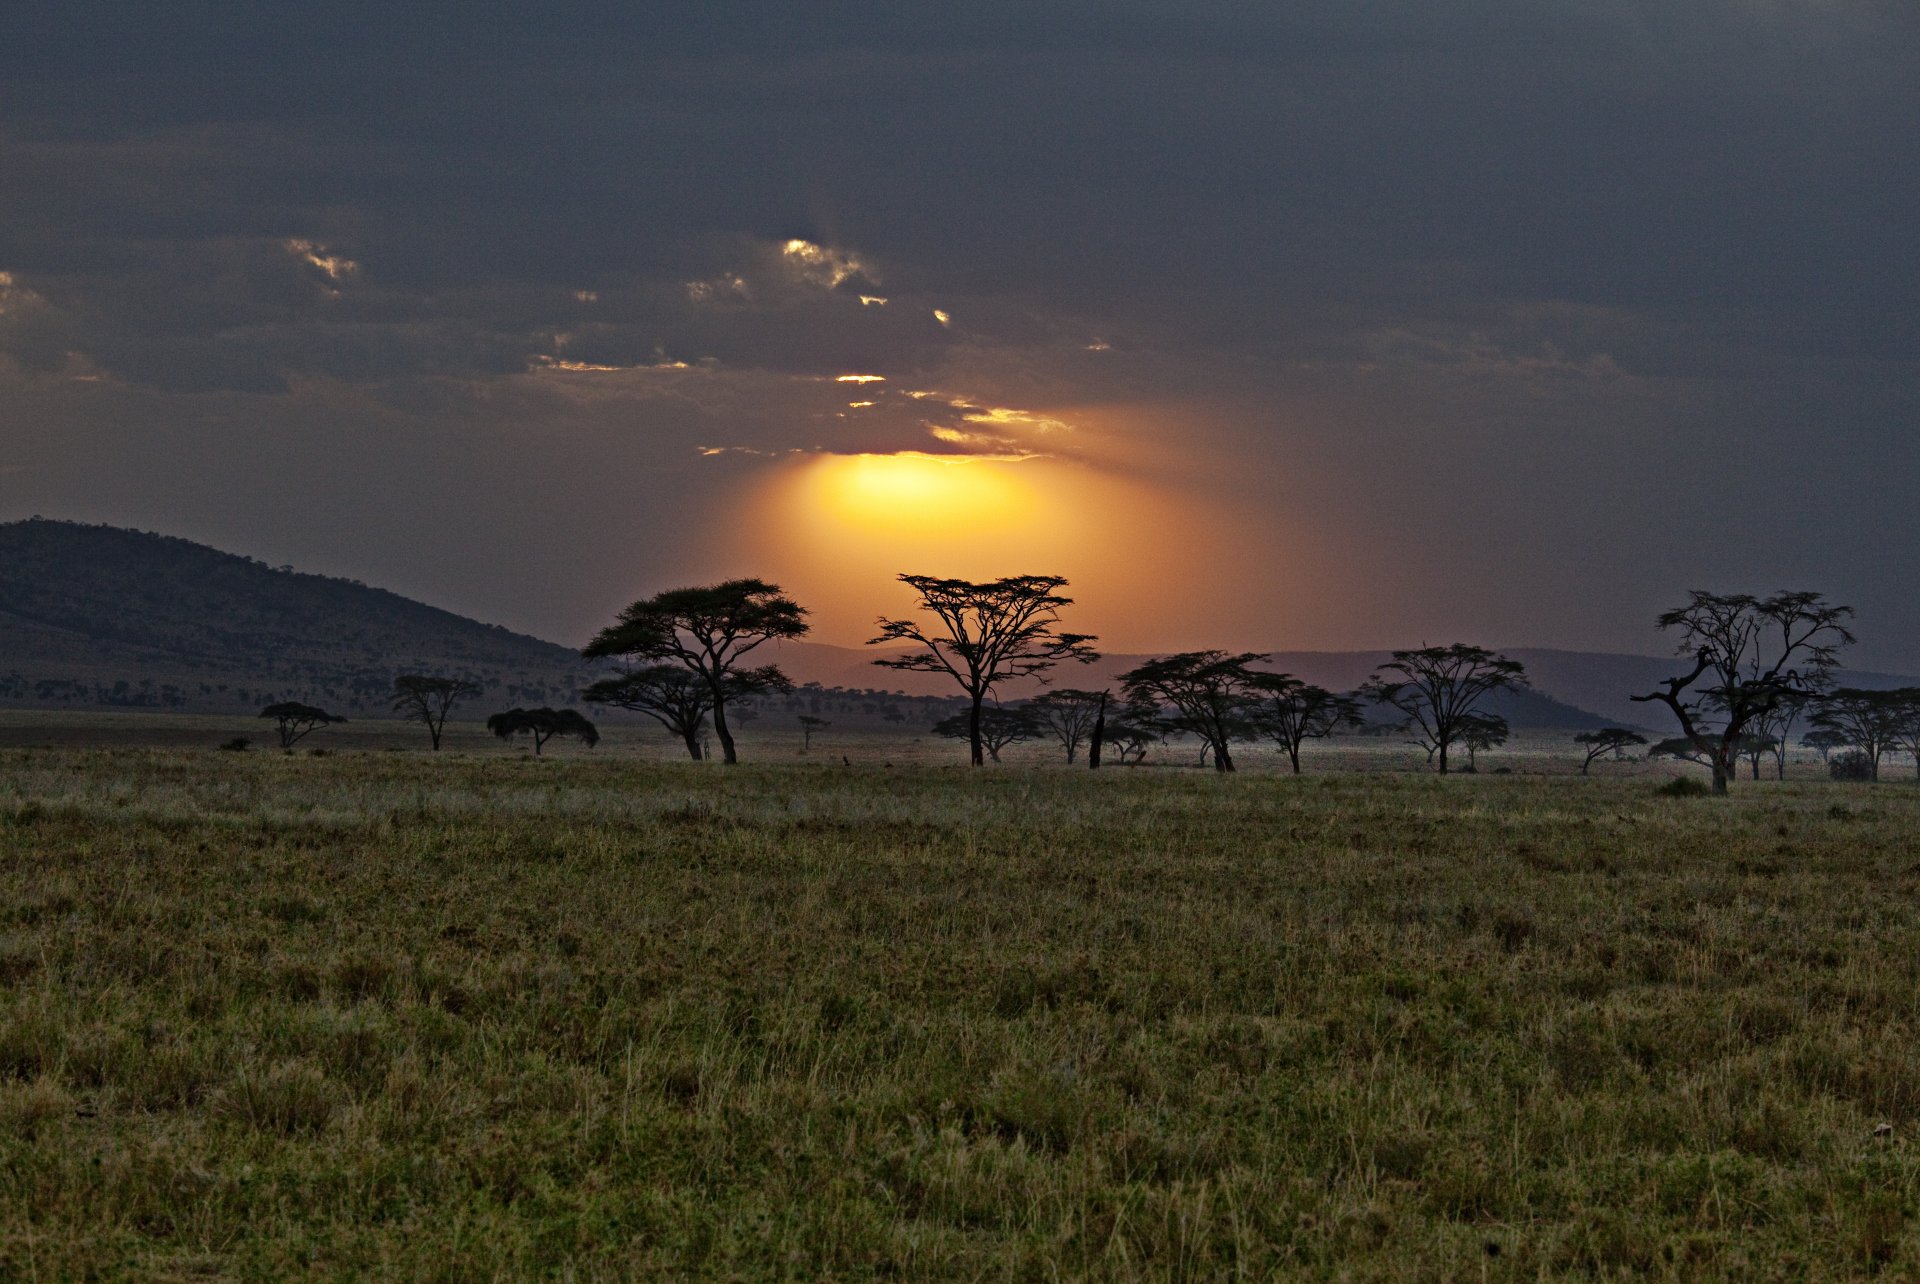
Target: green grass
419,1017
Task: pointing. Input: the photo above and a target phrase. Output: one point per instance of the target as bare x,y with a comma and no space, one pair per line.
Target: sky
1313,326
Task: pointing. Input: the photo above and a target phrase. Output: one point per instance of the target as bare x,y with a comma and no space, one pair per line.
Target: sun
914,494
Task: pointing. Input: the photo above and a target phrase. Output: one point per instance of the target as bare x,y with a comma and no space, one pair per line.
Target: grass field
478,1017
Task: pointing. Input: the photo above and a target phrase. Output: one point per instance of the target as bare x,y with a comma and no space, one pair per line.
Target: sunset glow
918,494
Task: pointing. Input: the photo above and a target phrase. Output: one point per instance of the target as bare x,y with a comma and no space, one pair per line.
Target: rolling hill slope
93,615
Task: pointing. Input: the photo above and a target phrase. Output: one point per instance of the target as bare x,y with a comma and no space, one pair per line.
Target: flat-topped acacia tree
1438,688
985,633
709,630
672,696
429,700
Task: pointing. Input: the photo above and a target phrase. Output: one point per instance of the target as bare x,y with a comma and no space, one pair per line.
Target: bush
237,745
1683,787
1851,765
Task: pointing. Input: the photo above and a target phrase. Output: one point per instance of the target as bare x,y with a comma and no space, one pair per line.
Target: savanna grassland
462,1017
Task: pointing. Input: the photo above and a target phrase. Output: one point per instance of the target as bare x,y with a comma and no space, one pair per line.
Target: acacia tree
1479,732
1068,715
996,726
709,630
676,698
293,720
1608,742
1129,741
1870,721
1437,687
1750,656
1823,741
808,725
1292,712
984,634
428,701
543,724
1906,723
1212,694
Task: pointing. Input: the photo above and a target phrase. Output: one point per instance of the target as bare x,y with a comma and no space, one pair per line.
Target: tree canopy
543,724
1438,687
1209,694
675,697
997,727
1608,742
429,700
293,720
1291,712
709,630
1750,656
984,633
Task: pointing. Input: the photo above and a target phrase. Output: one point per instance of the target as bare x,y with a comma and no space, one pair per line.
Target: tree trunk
1222,756
1293,755
693,745
1098,740
979,757
1443,757
727,755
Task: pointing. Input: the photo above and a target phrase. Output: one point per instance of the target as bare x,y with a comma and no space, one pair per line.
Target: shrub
236,745
1683,787
1851,765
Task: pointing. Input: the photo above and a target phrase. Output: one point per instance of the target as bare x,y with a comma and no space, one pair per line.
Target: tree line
687,658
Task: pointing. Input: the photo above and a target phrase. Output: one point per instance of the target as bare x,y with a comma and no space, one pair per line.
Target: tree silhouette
1212,695
709,630
1906,723
676,698
1068,715
1752,654
808,725
293,720
1870,721
1823,741
1130,740
428,701
543,724
1608,742
983,634
1292,712
1480,732
996,726
1437,687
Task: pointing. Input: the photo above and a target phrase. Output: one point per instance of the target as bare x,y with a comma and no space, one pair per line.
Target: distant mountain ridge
93,615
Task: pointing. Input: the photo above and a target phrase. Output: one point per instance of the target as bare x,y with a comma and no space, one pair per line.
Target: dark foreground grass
423,1018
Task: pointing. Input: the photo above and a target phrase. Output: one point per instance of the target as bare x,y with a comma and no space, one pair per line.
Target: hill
95,615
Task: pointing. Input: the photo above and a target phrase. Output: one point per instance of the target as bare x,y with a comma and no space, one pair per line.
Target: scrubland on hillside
477,1017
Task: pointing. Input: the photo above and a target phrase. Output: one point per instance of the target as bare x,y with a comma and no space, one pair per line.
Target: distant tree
1292,712
1750,655
808,725
1778,723
997,727
984,634
293,720
1753,747
1850,766
1823,741
1610,742
428,701
543,725
1870,721
1068,715
1906,723
1211,694
1438,687
709,630
1480,732
677,698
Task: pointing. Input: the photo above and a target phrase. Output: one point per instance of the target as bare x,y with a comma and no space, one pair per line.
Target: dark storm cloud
1575,258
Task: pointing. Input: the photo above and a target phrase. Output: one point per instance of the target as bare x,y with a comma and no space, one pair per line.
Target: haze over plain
1347,328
